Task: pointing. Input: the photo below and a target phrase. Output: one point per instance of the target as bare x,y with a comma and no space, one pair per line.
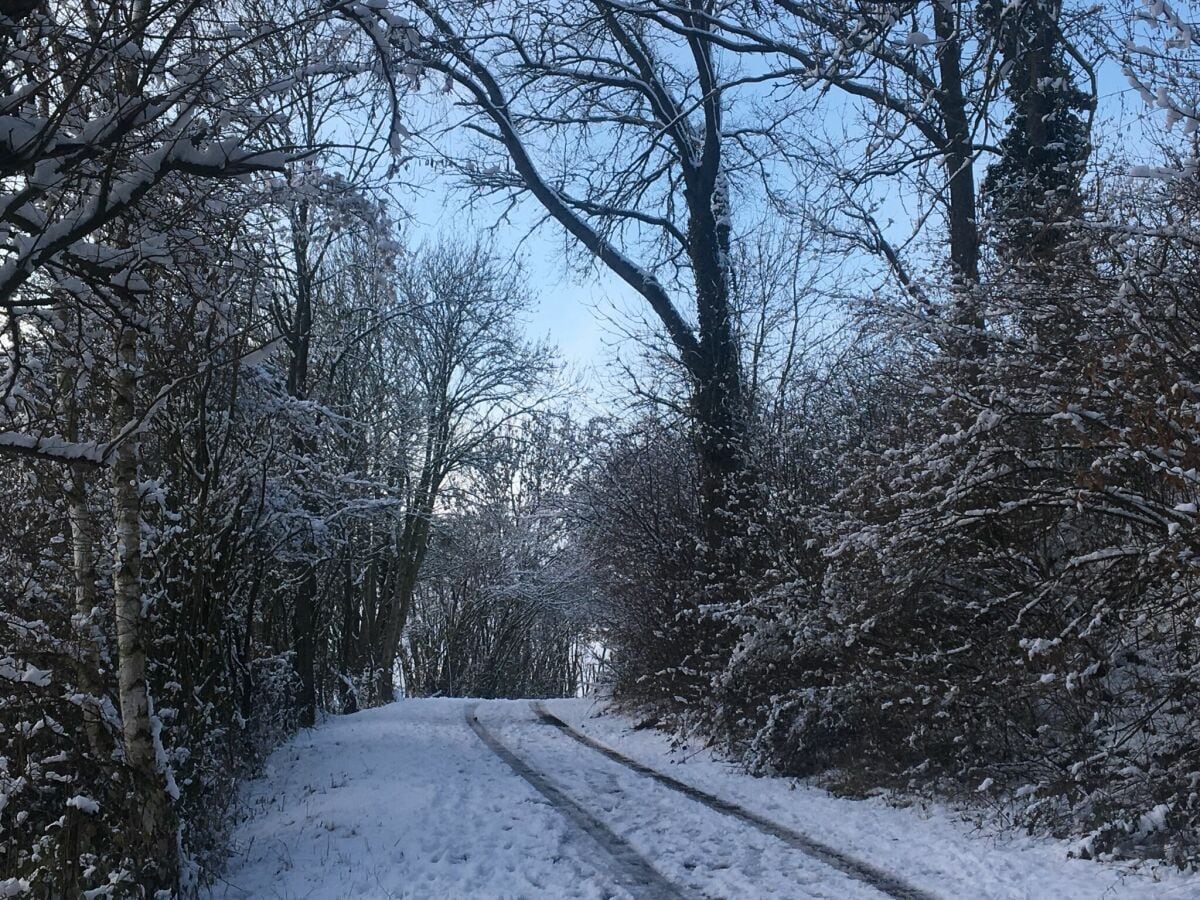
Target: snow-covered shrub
55,739
638,514
827,423
1010,592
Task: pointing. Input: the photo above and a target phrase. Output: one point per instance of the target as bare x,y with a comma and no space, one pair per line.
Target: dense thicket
228,400
965,537
498,609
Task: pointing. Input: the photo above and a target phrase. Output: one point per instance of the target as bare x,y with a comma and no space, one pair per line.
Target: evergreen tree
1035,182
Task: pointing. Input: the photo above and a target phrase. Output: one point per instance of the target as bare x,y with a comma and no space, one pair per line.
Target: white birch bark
133,692
83,544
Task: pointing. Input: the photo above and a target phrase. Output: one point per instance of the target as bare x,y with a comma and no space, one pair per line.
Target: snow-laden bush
638,517
1008,605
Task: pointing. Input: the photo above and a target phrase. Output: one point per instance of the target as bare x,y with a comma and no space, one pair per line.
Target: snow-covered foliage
638,518
969,574
202,411
500,610
963,556
261,459
1006,594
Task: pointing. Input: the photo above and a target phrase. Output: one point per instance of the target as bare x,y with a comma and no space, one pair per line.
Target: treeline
501,608
953,547
232,395
909,491
971,576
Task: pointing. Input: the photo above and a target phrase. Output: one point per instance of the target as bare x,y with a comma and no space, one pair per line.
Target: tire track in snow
862,871
634,874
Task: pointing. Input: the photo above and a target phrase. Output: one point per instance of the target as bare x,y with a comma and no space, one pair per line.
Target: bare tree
474,372
499,610
921,80
119,120
618,124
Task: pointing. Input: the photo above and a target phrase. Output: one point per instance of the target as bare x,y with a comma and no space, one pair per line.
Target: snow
932,847
16,133
31,674
403,801
84,804
37,677
51,447
407,801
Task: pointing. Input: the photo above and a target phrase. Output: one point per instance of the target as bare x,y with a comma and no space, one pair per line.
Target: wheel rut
881,880
633,873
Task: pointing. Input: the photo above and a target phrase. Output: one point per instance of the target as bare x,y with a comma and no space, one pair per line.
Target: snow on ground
930,847
402,801
407,801
703,852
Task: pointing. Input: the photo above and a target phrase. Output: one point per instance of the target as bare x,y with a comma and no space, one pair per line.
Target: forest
893,482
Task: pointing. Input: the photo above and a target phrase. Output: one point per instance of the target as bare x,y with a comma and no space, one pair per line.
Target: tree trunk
410,555
157,816
83,542
304,624
304,620
714,365
960,173
83,545
347,651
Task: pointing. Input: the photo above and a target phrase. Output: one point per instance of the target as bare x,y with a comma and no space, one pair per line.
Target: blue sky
573,311
583,313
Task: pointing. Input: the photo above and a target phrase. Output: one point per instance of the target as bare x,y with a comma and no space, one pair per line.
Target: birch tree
120,122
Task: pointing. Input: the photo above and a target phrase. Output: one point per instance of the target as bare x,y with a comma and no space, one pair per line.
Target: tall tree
616,124
128,126
922,78
1035,183
473,374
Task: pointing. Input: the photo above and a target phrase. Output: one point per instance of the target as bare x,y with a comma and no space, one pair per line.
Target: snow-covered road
452,798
